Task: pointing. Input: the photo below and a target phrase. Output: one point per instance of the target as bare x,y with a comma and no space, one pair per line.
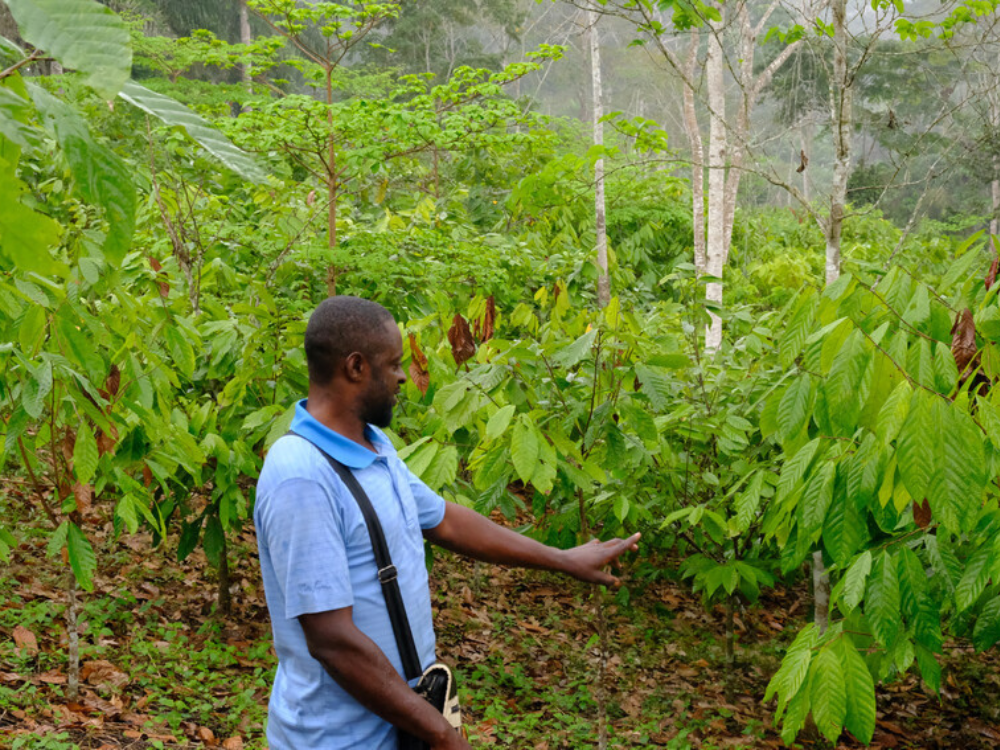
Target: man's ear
355,367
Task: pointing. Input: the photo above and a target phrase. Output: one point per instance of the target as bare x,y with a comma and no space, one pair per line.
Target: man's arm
359,666
469,533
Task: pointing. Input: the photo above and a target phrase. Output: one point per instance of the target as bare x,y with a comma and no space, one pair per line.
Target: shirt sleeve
430,505
306,543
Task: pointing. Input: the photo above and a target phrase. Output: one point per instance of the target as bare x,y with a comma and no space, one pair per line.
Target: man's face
386,377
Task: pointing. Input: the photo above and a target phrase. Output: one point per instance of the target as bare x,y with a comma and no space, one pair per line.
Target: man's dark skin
363,389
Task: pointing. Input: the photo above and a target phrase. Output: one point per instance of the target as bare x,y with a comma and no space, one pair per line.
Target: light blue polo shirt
316,555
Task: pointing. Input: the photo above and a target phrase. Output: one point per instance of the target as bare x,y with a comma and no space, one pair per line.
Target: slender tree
600,221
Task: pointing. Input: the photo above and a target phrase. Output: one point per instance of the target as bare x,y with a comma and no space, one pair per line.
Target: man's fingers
606,579
620,546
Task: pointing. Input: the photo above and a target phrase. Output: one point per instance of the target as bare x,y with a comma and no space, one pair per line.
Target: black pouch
437,687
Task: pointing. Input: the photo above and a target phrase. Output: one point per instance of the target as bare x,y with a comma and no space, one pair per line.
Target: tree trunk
245,38
73,641
741,130
730,687
805,138
331,187
602,673
995,190
995,184
697,157
600,226
841,113
8,26
225,598
716,244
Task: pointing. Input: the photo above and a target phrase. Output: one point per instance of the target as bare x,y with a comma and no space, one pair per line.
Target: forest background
719,272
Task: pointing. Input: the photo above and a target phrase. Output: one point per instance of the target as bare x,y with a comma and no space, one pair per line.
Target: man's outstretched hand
587,562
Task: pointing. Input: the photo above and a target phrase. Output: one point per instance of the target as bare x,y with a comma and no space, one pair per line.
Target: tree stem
73,641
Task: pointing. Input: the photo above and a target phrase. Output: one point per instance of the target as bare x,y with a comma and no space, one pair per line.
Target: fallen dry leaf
233,743
52,677
206,735
104,673
25,640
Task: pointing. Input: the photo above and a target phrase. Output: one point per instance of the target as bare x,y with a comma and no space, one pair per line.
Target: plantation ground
161,671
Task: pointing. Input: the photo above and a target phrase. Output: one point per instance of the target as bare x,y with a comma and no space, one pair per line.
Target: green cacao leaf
860,692
794,668
817,496
854,582
26,235
828,693
845,530
987,630
956,487
915,451
795,407
524,449
82,559
894,412
85,455
974,579
499,422
882,603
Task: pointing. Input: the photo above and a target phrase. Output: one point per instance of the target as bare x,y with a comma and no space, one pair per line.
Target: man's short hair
339,327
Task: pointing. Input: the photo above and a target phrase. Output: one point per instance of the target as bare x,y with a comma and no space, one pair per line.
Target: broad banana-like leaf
81,34
172,112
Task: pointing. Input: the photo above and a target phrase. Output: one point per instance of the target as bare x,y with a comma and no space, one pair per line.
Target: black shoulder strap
386,570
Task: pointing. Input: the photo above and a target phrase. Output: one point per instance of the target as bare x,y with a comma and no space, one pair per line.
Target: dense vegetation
173,207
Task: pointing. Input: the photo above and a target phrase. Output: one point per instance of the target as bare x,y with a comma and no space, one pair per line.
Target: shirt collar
345,450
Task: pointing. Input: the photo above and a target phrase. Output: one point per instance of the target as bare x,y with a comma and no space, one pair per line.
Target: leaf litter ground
161,670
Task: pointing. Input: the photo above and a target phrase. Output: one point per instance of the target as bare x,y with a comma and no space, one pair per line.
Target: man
339,682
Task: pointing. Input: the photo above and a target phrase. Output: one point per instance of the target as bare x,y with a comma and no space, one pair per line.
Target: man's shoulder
291,458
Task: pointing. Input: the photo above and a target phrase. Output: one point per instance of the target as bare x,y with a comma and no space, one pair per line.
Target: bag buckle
387,574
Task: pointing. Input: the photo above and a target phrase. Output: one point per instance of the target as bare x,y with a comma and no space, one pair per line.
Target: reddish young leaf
106,442
463,346
157,267
963,340
418,367
84,494
113,383
922,513
484,325
991,275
